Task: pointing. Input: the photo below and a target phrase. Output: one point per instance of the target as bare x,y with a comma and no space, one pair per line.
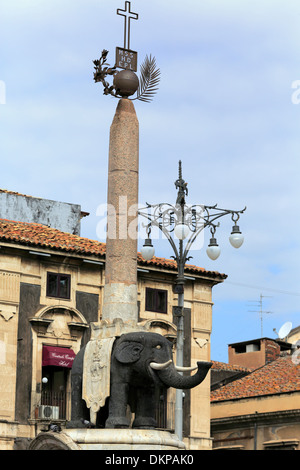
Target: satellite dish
284,330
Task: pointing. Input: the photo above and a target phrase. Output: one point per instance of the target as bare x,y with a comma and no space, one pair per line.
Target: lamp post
186,223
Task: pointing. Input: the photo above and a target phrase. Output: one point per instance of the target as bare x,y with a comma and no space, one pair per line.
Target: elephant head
150,355
141,361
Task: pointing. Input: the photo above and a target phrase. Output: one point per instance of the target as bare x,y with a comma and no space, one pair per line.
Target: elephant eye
158,346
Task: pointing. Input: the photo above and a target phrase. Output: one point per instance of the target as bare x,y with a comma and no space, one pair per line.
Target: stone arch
53,441
163,327
55,309
59,321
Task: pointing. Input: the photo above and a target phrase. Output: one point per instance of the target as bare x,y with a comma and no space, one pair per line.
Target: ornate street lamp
186,222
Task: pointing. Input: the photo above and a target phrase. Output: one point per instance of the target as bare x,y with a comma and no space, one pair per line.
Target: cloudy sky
228,106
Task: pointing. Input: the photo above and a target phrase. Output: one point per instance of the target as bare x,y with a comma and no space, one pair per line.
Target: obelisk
120,289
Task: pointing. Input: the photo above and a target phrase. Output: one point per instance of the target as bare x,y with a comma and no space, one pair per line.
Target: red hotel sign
55,356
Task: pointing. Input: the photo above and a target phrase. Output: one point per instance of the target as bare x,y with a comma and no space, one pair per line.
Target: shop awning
55,356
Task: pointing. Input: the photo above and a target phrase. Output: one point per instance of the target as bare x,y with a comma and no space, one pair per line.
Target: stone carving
7,311
201,342
9,286
96,377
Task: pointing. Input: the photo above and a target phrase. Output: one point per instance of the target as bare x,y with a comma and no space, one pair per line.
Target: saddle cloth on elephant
96,374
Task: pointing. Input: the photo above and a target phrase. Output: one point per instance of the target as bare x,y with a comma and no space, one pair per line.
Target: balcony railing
55,399
165,415
165,411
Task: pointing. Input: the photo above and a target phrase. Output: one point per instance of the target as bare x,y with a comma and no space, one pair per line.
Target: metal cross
128,15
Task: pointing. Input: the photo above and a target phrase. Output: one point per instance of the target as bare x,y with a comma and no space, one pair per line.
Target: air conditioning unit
48,412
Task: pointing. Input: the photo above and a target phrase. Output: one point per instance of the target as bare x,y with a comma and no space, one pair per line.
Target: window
156,300
54,396
245,348
58,285
56,366
164,411
284,444
240,349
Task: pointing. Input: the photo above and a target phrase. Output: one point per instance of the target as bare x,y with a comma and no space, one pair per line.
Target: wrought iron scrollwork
196,217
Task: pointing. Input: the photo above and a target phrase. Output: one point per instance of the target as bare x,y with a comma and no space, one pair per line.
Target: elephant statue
140,362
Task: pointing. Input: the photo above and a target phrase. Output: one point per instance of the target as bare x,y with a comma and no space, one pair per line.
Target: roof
216,365
282,343
171,265
41,236
38,235
15,193
276,377
294,331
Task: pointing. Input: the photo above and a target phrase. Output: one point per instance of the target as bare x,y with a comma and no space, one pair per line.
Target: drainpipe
255,431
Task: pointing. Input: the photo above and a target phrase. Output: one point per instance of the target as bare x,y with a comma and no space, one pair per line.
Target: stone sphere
126,82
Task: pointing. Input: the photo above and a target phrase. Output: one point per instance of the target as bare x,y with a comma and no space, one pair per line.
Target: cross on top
128,15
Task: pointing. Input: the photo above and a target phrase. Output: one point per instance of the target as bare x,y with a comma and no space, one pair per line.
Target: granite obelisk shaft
120,290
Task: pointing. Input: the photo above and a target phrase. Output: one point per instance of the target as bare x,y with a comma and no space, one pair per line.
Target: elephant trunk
171,378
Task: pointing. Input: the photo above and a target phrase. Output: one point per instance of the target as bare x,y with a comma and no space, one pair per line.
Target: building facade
259,409
51,289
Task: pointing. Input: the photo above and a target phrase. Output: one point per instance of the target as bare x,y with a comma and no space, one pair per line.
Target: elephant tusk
157,366
185,369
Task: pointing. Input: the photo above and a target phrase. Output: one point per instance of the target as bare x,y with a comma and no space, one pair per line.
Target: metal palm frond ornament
125,82
149,80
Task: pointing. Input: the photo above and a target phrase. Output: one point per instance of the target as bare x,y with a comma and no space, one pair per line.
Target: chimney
272,350
253,354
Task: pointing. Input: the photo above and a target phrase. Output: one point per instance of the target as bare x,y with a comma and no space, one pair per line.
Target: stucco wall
60,215
264,404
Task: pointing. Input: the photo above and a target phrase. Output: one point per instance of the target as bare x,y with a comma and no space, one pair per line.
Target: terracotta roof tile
216,365
171,264
32,234
6,191
38,235
279,376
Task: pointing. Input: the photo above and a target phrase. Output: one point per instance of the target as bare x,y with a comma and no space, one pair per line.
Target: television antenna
260,311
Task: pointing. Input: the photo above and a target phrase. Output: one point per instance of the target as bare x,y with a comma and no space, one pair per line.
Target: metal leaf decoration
149,80
101,73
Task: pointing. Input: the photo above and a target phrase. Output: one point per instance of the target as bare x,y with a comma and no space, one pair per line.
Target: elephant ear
128,352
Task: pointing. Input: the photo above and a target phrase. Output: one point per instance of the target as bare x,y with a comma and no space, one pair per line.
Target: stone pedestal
107,439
